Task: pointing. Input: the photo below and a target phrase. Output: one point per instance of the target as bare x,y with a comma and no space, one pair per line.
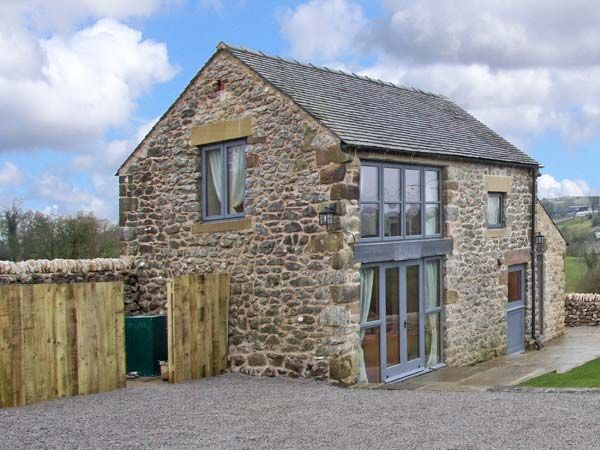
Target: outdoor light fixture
326,215
540,243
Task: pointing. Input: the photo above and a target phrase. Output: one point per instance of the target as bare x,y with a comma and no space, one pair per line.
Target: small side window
495,210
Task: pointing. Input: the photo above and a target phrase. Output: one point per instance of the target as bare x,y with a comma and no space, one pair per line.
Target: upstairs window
495,210
224,177
399,202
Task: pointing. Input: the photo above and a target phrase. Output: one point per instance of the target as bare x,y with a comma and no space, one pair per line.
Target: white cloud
10,175
112,154
322,28
66,198
523,67
44,15
550,187
86,84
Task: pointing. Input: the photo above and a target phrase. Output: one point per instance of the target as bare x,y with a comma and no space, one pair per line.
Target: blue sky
81,81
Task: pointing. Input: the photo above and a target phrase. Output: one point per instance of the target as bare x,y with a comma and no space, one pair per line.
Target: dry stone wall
38,271
293,280
582,310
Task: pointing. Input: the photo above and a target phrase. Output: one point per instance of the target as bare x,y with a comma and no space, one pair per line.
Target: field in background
575,270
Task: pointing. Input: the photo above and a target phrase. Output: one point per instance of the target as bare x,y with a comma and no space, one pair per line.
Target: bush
596,221
590,283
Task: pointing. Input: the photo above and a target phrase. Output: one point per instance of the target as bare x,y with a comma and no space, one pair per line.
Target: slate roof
380,115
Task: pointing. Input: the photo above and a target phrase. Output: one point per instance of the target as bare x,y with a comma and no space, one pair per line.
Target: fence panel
198,314
58,340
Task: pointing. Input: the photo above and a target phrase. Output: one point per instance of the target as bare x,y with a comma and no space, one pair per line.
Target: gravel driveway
236,411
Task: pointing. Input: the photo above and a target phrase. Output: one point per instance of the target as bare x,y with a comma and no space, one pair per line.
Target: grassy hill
579,233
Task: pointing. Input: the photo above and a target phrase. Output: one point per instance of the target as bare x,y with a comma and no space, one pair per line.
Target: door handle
405,324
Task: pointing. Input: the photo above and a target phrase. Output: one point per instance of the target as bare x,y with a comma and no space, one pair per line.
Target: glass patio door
401,316
403,321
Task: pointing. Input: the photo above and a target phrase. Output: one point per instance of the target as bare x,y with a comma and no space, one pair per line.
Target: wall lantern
326,215
540,243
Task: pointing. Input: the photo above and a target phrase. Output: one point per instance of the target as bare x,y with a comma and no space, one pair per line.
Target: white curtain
493,210
432,279
216,171
433,328
366,290
236,179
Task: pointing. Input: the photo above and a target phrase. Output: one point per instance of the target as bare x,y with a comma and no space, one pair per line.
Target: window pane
432,339
515,290
413,220
494,210
370,348
432,191
391,185
412,311
432,284
392,220
235,176
392,315
369,183
369,220
432,220
214,176
412,185
369,294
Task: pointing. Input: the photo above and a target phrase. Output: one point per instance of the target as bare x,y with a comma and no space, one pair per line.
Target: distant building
583,213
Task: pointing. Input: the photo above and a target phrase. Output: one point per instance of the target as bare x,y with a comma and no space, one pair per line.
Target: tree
26,234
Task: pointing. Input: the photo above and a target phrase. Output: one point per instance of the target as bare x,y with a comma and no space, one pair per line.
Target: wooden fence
58,340
198,314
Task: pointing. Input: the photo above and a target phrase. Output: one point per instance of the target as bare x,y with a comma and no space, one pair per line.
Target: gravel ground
236,411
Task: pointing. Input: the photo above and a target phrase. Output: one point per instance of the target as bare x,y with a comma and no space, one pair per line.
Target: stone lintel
401,251
494,233
521,256
494,183
222,225
221,131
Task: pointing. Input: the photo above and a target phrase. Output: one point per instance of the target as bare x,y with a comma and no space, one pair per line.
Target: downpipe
536,340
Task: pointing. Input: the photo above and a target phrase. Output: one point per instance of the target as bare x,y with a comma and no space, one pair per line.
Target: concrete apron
562,354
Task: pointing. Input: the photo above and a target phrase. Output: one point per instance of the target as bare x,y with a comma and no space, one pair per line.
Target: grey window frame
381,322
502,223
422,201
222,146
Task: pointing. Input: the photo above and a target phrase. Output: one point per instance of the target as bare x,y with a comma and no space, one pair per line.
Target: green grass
575,270
585,376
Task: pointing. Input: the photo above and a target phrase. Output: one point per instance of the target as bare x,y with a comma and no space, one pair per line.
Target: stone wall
582,310
40,271
554,276
293,280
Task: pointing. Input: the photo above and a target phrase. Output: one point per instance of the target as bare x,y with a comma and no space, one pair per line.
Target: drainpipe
534,175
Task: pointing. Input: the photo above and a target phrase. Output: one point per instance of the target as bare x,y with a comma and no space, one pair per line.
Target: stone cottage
372,231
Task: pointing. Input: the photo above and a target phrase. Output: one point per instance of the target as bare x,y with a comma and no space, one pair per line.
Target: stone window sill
222,225
494,233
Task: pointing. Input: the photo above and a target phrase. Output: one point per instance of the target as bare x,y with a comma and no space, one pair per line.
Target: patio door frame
405,367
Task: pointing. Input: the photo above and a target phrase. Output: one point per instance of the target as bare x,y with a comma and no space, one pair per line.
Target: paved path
578,346
236,411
